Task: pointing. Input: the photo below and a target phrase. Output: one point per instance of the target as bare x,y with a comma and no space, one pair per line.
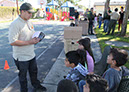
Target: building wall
100,9
7,3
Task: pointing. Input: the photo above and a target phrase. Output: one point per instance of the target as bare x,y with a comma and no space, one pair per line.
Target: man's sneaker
92,34
41,88
103,31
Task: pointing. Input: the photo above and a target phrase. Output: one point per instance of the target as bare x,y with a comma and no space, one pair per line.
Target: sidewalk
118,43
59,69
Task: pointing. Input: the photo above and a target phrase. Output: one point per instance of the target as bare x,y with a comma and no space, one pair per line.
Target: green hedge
6,12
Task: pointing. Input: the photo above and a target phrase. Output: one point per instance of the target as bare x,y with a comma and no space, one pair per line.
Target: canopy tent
53,3
67,4
80,10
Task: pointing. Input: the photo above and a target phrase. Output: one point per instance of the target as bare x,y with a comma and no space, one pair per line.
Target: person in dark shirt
121,17
76,17
91,19
106,20
85,14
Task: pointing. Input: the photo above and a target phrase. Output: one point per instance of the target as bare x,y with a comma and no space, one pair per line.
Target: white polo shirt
21,30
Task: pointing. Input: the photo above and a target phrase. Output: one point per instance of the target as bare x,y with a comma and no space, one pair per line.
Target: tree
60,2
48,1
17,7
106,5
125,20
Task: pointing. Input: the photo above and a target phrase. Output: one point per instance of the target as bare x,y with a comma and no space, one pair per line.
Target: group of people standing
111,18
93,19
88,16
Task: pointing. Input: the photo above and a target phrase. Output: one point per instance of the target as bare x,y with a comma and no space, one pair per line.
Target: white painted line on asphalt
10,84
4,34
4,90
48,47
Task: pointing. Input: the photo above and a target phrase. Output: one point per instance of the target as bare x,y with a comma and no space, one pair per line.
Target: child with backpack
117,58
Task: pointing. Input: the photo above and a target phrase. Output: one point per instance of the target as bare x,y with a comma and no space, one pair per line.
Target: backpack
124,83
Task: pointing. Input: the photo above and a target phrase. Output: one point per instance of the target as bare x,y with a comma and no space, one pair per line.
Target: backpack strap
124,83
125,71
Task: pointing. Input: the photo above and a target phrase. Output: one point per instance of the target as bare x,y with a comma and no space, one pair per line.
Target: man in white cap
20,37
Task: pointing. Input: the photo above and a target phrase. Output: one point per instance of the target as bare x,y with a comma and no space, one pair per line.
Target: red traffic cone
6,66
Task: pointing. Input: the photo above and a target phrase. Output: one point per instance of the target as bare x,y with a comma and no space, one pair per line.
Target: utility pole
17,7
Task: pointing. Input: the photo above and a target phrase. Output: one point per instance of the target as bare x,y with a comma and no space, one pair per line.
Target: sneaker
103,31
107,34
92,34
40,88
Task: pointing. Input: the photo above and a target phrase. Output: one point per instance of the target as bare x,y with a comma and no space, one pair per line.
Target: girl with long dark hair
84,44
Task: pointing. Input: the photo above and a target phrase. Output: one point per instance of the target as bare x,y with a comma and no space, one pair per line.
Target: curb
56,73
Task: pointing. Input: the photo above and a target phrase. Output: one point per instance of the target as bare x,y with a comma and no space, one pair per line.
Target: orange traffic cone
6,66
